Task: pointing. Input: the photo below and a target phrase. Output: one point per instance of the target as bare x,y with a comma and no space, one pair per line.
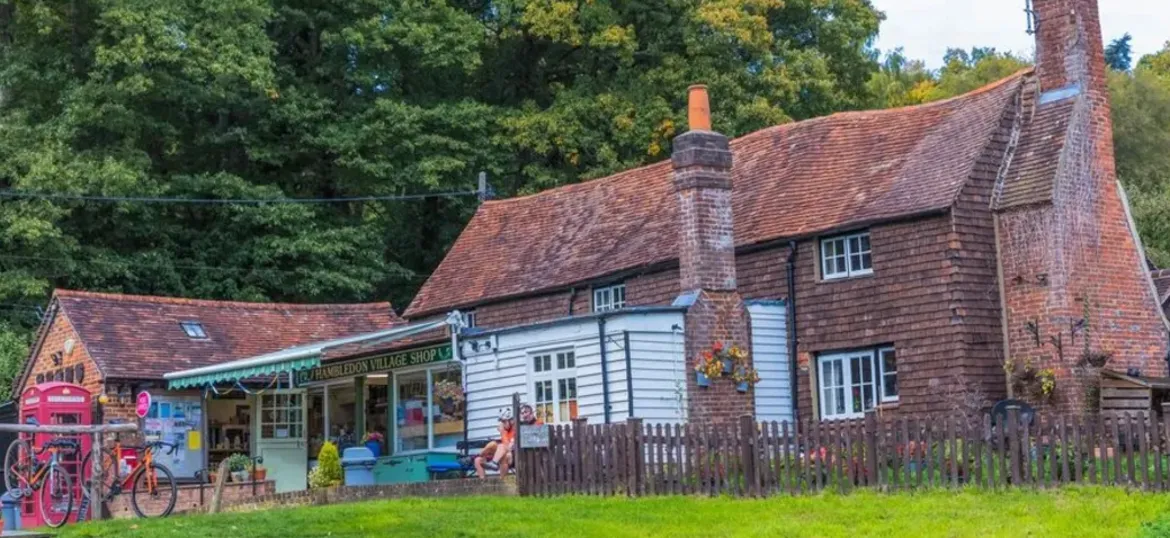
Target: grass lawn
1072,512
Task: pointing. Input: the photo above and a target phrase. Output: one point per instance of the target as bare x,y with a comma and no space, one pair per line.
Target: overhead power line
11,193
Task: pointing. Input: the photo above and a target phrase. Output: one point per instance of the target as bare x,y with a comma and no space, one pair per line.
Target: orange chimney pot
698,108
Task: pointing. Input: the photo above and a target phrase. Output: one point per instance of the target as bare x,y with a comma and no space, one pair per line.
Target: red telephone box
56,403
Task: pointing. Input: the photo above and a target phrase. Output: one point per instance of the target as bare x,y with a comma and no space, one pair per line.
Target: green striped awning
244,371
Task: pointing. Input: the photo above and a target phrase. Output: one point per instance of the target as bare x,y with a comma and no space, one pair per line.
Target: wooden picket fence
753,459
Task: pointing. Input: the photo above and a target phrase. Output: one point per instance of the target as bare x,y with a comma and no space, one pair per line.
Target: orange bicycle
24,471
152,487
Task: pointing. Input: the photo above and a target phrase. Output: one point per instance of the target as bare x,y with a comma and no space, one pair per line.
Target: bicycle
153,492
23,471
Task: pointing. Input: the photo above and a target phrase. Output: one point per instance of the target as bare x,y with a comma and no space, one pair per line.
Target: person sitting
498,454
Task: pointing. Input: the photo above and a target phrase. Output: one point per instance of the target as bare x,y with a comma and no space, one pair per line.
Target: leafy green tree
1119,53
229,99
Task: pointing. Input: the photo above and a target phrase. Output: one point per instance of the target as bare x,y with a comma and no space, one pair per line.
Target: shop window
282,416
430,409
554,386
412,422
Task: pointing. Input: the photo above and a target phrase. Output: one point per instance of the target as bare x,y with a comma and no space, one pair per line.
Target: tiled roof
1162,283
1031,177
832,173
139,337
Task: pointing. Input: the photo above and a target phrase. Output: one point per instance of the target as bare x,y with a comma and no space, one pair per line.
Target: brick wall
196,498
43,365
1073,275
494,486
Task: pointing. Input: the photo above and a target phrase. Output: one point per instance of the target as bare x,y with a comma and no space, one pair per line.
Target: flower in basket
448,390
374,436
710,365
746,375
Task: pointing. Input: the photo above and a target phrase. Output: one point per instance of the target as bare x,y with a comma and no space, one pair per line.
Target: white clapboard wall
657,362
770,356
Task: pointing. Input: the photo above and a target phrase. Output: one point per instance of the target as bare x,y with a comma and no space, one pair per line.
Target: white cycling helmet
505,414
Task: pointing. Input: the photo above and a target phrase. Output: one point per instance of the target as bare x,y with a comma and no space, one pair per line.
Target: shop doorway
281,438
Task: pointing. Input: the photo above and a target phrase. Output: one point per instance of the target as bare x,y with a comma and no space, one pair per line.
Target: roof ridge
986,88
159,299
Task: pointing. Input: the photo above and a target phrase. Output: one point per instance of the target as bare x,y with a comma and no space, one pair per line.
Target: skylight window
194,329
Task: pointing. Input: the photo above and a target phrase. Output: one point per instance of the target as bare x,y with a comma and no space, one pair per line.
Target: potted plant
710,367
373,441
238,467
259,473
745,377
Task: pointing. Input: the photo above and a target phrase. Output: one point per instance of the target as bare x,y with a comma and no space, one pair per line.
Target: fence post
747,454
517,452
1013,429
96,479
635,459
871,445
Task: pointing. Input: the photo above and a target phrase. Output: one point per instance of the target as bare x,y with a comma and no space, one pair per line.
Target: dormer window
609,298
846,256
193,329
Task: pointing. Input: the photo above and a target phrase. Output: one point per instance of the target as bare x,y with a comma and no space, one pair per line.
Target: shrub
238,462
328,470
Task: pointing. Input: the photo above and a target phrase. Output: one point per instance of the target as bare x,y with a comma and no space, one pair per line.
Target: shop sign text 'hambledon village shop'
374,364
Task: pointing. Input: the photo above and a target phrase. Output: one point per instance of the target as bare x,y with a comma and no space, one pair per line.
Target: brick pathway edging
348,494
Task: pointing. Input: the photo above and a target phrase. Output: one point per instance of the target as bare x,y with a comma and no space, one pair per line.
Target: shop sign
373,365
534,436
142,404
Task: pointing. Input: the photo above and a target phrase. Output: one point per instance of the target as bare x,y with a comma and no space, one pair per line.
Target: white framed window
846,255
609,298
469,319
193,329
853,382
553,379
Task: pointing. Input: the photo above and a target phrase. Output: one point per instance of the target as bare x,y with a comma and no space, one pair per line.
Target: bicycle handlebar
171,447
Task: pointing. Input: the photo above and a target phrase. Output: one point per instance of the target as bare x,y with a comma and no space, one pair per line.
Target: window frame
846,254
431,371
554,375
469,319
611,302
877,381
190,326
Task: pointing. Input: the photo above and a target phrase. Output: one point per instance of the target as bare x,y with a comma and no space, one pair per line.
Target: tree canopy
253,99
1119,53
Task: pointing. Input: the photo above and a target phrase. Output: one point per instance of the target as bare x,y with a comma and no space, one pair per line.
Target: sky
926,28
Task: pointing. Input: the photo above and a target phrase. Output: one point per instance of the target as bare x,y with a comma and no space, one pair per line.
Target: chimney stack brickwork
703,183
1078,258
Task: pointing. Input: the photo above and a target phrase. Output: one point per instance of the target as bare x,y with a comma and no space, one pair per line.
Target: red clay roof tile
840,171
139,337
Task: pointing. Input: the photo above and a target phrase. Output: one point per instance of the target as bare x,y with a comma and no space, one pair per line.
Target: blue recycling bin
10,509
358,464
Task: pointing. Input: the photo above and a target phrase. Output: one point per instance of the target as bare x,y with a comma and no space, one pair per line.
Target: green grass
1098,512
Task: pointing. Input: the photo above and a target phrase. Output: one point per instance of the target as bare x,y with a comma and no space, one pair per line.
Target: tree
1141,134
292,98
1119,53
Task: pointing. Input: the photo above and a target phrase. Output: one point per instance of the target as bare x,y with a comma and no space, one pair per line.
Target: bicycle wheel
154,491
18,464
110,473
56,497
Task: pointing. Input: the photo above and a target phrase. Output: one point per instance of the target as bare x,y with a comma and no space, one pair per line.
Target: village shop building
116,346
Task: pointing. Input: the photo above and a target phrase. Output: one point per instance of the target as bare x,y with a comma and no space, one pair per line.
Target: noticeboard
534,436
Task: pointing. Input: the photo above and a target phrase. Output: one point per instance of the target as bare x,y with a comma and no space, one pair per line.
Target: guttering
792,334
604,367
585,317
309,350
629,373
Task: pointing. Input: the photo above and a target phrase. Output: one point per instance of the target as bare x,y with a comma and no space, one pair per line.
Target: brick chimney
1073,279
715,310
1069,48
